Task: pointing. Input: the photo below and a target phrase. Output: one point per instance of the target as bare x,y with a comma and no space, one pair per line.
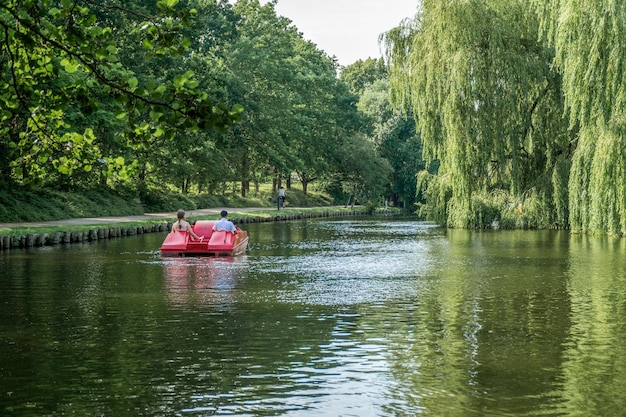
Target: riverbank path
94,221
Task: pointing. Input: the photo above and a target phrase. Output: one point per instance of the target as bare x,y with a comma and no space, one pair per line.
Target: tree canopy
520,107
64,62
588,40
186,95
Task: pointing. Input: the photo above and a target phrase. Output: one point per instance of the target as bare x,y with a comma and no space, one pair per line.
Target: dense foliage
509,112
75,99
194,96
521,107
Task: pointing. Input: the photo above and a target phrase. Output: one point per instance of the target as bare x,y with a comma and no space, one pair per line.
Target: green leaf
133,82
179,81
102,53
164,4
70,65
155,115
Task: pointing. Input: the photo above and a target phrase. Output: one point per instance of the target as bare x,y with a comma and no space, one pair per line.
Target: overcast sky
347,29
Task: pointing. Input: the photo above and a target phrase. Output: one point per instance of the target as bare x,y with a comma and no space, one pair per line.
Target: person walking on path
281,197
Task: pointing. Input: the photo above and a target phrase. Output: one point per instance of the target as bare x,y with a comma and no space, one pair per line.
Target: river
377,316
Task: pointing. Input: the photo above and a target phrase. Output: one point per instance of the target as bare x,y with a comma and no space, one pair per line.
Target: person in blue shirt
224,223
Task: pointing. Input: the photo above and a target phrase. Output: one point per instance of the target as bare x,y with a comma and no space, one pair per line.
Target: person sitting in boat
224,223
182,225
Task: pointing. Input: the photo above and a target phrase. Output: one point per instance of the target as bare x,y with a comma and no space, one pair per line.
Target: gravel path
88,221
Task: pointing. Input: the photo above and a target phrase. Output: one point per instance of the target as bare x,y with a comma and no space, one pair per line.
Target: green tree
262,79
297,111
487,104
326,115
396,139
61,57
363,173
588,38
362,74
190,160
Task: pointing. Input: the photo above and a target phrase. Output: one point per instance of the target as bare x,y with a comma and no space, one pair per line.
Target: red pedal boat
215,243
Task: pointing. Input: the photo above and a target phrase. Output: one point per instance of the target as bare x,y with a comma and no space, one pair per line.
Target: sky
346,29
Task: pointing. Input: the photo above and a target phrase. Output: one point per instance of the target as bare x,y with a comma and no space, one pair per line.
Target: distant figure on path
281,196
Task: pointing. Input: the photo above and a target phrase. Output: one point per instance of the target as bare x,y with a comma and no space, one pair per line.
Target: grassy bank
33,205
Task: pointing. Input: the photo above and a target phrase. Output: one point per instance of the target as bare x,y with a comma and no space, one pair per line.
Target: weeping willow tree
489,108
589,38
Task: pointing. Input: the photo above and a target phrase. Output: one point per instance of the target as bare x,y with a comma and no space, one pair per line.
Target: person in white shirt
281,196
224,223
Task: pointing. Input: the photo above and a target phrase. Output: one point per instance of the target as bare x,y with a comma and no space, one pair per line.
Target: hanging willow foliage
486,101
589,38
608,203
597,179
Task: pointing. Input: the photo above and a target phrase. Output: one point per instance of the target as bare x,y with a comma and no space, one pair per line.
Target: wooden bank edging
56,238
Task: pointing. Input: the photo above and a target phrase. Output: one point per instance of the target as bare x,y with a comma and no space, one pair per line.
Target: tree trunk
245,174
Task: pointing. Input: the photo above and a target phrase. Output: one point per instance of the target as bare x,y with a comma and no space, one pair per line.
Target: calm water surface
334,317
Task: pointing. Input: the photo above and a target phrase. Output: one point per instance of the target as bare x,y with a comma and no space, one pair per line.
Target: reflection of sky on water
360,264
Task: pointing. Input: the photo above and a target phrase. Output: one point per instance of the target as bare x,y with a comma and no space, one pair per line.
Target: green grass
236,216
30,205
23,204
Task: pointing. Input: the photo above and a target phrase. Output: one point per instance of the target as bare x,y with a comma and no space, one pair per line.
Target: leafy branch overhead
131,95
59,55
